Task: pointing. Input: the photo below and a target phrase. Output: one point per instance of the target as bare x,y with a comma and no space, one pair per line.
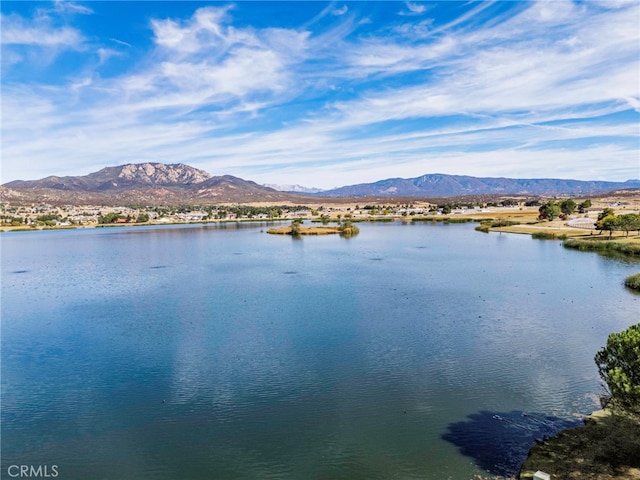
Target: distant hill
144,184
124,177
440,185
294,188
174,184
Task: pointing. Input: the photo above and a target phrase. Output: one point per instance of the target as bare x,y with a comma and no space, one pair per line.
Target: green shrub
458,220
604,246
633,281
503,223
544,236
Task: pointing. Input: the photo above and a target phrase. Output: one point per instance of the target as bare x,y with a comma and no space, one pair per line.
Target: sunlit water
221,352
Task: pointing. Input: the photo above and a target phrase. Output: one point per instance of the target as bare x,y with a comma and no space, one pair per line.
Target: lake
218,351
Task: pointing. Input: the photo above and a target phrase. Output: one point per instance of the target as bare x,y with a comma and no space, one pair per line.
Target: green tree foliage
633,281
549,211
607,212
142,218
49,220
629,221
609,224
348,229
568,206
584,205
109,218
619,366
295,227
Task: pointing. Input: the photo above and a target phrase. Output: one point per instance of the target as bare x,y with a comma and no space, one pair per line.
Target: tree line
552,209
609,221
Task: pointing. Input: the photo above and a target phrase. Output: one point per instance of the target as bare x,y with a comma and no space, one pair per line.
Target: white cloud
18,31
533,94
71,7
104,54
203,30
413,9
340,11
120,42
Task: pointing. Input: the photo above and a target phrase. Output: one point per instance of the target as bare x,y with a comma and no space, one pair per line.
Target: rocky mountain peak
161,174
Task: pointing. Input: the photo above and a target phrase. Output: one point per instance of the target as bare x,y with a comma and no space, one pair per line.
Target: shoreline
578,452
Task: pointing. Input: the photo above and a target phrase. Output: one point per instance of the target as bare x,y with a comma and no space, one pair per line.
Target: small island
345,229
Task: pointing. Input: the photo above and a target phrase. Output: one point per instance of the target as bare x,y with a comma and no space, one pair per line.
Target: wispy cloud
120,42
542,89
39,32
71,7
340,11
413,9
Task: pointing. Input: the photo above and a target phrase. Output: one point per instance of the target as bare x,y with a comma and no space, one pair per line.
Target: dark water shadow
499,442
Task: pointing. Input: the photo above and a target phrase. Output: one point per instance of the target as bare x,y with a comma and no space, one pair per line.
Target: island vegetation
633,281
345,229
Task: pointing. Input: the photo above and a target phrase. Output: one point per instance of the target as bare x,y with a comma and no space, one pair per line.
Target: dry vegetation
607,448
305,230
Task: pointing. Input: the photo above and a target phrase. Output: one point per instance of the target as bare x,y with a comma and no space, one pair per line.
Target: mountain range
440,185
157,183
294,188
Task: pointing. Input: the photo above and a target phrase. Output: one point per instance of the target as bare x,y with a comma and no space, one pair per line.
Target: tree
619,366
109,218
567,206
347,229
610,224
607,212
629,221
295,227
549,210
584,205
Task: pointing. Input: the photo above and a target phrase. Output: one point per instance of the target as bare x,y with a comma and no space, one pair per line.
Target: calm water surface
408,352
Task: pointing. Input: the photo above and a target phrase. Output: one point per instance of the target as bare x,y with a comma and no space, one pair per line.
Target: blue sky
323,94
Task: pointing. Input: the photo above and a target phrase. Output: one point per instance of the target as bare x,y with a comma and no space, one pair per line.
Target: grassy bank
434,219
628,247
606,448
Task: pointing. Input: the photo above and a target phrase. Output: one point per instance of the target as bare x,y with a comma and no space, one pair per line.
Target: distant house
300,213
